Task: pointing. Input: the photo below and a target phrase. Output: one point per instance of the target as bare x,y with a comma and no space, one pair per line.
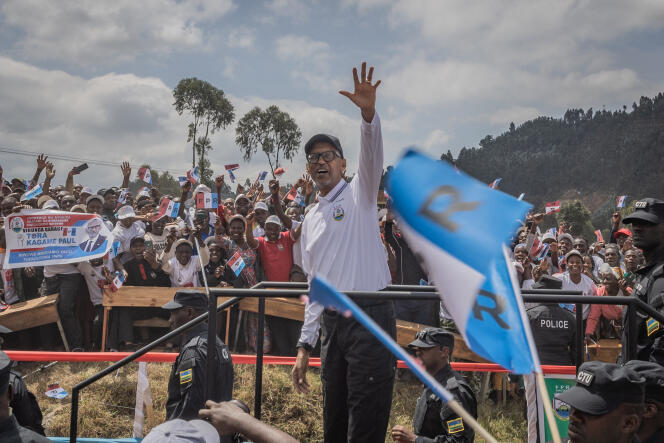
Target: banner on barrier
555,384
38,238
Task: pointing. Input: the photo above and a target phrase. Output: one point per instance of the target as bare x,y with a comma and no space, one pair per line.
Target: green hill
588,156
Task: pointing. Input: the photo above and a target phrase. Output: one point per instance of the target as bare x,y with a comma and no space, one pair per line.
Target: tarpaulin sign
38,238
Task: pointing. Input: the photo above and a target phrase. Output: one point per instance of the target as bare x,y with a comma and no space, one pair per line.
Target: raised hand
219,181
274,187
616,219
364,94
50,171
126,169
41,161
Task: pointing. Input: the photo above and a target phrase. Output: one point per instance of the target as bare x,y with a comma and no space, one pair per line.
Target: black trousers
358,376
66,285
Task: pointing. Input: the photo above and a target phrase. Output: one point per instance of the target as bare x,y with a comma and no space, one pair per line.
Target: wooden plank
606,350
143,296
290,308
155,322
32,313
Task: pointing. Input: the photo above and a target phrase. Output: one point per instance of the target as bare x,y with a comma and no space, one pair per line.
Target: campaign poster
44,237
555,384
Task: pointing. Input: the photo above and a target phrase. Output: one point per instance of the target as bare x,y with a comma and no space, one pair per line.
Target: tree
273,130
210,110
165,182
204,170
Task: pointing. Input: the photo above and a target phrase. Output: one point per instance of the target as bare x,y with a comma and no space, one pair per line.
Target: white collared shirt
340,239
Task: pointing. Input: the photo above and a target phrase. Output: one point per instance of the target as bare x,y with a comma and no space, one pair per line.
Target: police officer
648,235
553,327
10,430
186,385
434,421
652,426
24,404
606,404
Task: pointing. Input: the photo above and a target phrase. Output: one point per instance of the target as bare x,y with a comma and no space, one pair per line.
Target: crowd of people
282,236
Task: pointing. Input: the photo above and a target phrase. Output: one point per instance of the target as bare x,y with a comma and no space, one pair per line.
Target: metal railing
265,290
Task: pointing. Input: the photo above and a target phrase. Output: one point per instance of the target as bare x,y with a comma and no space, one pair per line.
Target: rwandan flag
459,227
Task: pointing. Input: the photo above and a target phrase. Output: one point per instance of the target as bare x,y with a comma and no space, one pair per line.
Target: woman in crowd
607,317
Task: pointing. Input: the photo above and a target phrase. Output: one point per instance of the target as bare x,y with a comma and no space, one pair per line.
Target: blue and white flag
192,175
459,227
182,180
262,175
620,202
231,175
32,193
123,196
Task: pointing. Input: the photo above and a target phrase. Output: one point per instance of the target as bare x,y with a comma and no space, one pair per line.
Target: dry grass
107,407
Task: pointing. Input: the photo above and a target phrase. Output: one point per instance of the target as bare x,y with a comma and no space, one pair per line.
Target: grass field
107,407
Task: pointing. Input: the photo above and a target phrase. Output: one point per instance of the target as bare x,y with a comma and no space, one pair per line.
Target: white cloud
90,32
297,10
229,67
300,47
436,140
241,37
525,32
116,117
513,114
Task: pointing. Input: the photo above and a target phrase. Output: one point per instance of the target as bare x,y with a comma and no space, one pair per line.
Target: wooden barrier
32,313
290,308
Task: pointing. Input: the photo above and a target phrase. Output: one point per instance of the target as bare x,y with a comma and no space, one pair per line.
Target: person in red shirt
276,251
612,314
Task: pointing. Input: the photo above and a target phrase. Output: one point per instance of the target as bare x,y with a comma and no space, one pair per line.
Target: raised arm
50,173
371,141
41,165
126,174
249,231
183,197
276,201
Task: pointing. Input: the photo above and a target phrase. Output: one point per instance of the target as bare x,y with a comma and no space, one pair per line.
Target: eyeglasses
328,156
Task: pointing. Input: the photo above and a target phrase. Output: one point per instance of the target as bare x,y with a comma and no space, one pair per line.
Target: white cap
273,219
126,212
201,188
51,204
178,430
261,205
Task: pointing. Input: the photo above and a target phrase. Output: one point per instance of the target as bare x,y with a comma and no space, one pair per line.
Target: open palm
364,94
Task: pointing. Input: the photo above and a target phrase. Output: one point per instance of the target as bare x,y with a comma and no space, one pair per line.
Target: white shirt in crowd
340,239
93,278
586,286
184,275
124,235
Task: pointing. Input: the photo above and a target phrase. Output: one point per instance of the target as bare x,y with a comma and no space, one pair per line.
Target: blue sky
93,80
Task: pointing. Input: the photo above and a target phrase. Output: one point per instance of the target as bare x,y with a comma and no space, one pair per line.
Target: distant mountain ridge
586,155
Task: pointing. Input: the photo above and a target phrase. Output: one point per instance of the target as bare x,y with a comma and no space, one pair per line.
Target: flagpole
546,400
212,321
424,376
